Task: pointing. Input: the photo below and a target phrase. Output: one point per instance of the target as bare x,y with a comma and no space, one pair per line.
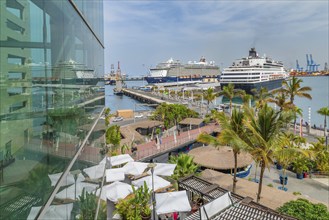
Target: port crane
298,68
311,64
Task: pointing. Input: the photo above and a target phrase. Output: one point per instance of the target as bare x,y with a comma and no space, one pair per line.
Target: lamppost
152,166
75,174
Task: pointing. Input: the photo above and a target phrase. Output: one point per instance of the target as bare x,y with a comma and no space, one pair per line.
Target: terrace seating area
218,203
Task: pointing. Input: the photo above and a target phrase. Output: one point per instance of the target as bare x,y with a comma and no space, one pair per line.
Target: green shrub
270,185
305,210
297,193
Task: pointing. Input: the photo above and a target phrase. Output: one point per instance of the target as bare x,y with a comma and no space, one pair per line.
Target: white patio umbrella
113,175
172,202
135,168
118,160
95,172
117,190
68,180
163,169
53,212
158,182
75,189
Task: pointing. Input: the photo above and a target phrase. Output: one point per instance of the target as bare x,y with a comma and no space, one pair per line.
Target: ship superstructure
254,72
174,71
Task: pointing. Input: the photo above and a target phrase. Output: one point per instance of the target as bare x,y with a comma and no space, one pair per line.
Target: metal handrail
44,209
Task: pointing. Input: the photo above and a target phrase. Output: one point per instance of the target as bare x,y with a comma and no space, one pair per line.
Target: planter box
299,176
278,166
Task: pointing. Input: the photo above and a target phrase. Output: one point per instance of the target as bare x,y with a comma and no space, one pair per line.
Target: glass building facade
51,60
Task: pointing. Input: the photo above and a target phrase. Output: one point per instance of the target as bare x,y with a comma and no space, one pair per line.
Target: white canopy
113,175
163,169
135,168
69,192
172,202
53,212
158,182
68,180
118,160
117,190
212,208
95,172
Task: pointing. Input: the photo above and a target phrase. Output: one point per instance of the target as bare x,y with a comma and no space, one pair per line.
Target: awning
164,169
135,168
113,175
95,172
158,182
75,190
118,160
117,190
53,212
172,202
67,181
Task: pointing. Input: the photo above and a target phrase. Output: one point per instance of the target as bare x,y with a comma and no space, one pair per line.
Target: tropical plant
229,92
321,155
38,183
261,96
209,95
137,206
293,88
108,115
286,151
246,98
232,130
171,114
324,111
261,133
88,205
113,139
304,210
185,166
280,99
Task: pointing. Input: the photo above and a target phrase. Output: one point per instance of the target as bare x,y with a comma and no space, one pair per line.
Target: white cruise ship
254,72
174,71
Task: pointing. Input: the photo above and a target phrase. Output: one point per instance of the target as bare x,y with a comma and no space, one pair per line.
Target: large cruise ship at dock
254,72
175,71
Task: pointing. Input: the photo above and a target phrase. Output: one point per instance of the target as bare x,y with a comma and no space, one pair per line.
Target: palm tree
185,165
232,130
325,112
321,155
280,99
262,131
246,98
293,88
113,138
261,96
229,92
209,95
286,151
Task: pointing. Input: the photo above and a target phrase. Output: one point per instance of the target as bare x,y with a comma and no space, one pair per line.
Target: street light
75,174
152,166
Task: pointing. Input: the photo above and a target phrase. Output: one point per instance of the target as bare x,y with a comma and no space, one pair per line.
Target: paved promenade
150,149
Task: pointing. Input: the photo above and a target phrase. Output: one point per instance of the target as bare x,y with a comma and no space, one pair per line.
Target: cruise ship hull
270,85
168,79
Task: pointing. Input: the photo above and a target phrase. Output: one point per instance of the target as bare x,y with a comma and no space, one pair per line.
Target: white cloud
147,32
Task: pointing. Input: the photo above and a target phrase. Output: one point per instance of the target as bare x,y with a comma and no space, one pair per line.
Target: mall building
51,65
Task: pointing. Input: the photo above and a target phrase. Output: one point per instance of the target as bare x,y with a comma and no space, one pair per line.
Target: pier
141,96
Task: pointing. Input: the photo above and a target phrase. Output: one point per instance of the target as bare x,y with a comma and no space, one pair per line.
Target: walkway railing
169,143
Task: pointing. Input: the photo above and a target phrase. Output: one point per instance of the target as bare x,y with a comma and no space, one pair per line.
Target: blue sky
141,34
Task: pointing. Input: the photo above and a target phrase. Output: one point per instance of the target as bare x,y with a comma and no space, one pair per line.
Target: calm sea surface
320,94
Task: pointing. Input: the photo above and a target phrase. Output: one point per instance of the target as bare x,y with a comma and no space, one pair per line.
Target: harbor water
319,93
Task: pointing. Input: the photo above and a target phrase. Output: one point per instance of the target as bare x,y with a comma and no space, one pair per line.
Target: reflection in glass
50,63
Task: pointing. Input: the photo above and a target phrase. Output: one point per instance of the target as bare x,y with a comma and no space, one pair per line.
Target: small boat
117,92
